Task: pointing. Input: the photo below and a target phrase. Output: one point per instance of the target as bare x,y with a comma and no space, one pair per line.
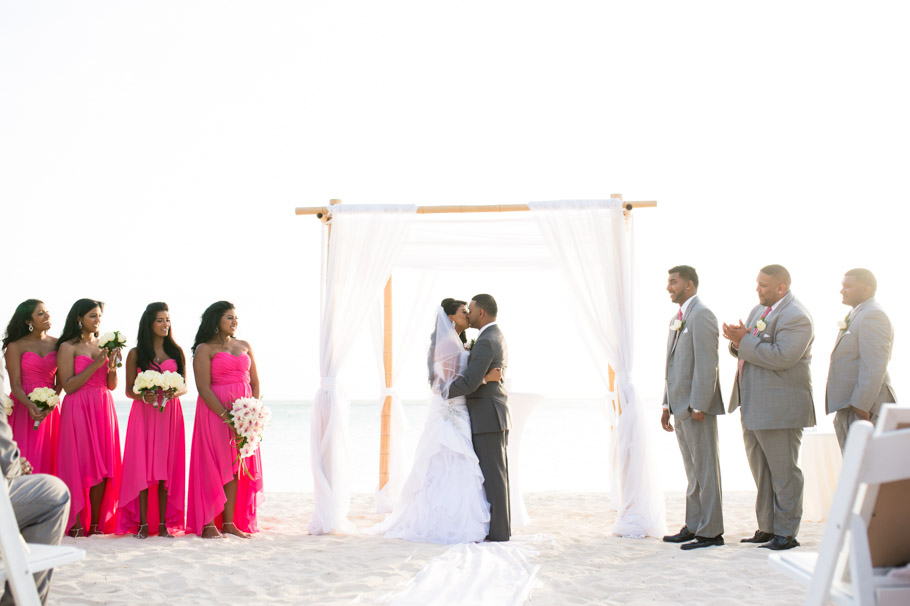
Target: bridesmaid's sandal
93,530
162,531
233,530
214,534
142,534
76,533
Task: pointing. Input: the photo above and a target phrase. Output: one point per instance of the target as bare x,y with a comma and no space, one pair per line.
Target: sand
580,562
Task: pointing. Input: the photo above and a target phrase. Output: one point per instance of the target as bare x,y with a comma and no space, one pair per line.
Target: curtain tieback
327,383
389,392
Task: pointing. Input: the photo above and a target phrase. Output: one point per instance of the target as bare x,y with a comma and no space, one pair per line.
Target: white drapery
593,247
417,310
586,241
366,240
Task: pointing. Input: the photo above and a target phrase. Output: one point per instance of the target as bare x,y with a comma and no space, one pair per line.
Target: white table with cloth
820,459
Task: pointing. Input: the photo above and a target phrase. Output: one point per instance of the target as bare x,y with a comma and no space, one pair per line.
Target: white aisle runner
475,574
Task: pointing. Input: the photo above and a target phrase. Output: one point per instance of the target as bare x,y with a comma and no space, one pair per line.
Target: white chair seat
44,557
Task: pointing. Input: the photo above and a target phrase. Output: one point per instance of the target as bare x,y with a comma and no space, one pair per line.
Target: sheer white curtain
593,248
365,242
410,327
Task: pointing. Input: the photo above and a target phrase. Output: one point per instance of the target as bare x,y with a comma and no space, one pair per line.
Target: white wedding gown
442,500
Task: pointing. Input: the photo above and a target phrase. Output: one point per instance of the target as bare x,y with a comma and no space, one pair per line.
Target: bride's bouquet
158,382
113,341
249,417
44,398
6,404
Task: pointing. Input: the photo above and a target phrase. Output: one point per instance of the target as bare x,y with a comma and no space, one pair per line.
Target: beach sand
580,561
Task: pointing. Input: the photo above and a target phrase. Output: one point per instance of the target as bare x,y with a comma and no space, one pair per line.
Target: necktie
741,362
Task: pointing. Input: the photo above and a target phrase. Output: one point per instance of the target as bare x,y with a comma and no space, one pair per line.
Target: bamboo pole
386,431
322,211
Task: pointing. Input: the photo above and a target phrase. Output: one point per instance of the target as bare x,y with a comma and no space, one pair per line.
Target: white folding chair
870,506
21,560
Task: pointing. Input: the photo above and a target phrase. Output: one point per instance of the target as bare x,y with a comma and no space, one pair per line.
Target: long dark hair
209,322
71,330
17,327
145,342
449,306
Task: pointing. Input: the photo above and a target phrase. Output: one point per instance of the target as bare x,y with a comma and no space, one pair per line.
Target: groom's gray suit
774,390
858,374
692,385
488,406
41,503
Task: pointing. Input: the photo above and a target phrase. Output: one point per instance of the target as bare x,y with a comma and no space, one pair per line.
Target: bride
443,500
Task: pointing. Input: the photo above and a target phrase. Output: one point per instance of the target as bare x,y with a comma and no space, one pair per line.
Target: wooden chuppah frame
323,213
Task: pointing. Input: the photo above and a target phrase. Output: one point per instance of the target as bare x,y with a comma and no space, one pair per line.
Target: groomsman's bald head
859,285
773,284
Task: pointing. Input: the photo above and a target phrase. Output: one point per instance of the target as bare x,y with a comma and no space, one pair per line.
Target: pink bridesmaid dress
38,446
89,448
213,459
155,451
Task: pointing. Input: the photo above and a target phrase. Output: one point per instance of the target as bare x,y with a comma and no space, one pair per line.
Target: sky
156,151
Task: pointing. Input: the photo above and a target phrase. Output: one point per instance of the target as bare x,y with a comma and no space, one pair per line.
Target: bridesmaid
222,495
31,360
88,455
155,450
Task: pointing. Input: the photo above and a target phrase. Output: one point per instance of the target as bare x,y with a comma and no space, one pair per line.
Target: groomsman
858,381
692,395
774,389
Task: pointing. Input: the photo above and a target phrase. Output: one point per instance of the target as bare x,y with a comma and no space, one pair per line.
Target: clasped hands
735,333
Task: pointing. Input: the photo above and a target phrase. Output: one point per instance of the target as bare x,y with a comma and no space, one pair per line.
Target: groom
488,406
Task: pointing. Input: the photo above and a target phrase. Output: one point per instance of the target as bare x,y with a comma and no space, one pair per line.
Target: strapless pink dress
89,448
213,459
38,446
155,451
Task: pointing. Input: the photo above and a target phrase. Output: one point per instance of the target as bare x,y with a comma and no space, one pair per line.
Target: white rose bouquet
158,382
249,417
6,404
44,398
113,342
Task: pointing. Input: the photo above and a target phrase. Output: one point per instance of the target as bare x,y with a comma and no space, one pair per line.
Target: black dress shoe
759,537
682,536
704,542
778,543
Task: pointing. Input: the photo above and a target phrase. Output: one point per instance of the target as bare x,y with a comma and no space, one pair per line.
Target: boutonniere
844,324
760,326
470,344
678,324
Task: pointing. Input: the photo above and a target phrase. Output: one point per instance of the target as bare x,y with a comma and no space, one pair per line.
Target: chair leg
861,563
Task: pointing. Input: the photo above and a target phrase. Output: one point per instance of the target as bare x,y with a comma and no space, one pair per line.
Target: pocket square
685,330
846,333
766,336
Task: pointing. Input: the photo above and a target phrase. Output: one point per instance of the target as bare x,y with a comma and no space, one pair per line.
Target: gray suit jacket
691,381
10,461
775,386
488,405
858,374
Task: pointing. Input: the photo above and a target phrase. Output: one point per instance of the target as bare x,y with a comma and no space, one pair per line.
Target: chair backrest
15,553
873,458
885,503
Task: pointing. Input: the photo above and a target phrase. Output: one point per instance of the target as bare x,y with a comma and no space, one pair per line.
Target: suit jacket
691,381
858,374
488,405
774,388
10,461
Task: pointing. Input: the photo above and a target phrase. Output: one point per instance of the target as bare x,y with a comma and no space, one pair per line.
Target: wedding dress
442,500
